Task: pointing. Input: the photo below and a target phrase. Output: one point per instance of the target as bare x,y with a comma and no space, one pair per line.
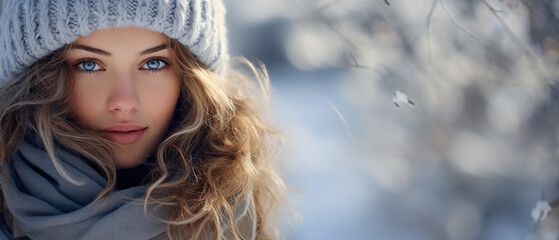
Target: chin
127,161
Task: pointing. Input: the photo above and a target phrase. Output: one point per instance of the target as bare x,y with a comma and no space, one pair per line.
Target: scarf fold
44,205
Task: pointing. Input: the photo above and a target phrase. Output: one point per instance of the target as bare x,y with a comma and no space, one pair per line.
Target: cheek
86,101
160,100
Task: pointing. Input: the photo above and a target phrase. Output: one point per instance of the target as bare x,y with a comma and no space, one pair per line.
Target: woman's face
125,88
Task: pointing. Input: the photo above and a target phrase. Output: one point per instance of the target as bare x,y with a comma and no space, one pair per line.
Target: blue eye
154,64
89,66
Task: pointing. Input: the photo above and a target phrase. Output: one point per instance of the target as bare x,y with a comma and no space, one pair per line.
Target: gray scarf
44,205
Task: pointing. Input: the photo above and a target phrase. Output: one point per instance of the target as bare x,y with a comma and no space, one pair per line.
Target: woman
119,120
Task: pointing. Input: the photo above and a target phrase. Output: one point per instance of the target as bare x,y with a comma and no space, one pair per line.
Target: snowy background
471,157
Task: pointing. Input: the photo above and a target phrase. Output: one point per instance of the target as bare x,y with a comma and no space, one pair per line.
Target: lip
124,133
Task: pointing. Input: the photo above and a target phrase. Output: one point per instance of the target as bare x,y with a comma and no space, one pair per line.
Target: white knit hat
31,29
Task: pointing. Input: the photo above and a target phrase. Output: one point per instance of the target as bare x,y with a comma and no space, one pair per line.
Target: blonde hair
221,116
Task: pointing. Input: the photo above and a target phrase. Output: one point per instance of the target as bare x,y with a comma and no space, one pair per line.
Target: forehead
118,39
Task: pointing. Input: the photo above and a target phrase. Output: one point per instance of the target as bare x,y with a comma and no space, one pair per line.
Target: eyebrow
154,49
90,49
105,53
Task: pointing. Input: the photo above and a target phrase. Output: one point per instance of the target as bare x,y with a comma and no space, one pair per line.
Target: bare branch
527,49
356,64
331,24
456,24
328,5
429,17
337,111
509,30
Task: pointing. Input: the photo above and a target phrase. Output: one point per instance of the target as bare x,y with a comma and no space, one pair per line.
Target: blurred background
411,119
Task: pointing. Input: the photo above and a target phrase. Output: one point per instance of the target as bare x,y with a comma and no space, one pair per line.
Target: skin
123,77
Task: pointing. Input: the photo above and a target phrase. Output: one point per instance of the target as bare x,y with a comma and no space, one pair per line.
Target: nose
123,97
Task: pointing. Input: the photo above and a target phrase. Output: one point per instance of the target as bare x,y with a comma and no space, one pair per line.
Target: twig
342,36
429,16
516,39
509,30
328,5
340,115
456,24
356,64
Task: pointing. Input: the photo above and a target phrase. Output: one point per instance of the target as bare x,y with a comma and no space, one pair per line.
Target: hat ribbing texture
31,29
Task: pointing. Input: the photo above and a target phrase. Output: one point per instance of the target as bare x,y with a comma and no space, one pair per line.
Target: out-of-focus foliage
479,146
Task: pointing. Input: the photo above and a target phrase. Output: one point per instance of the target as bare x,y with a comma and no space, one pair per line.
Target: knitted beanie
31,29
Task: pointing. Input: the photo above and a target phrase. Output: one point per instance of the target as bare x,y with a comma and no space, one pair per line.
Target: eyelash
81,61
95,61
155,70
